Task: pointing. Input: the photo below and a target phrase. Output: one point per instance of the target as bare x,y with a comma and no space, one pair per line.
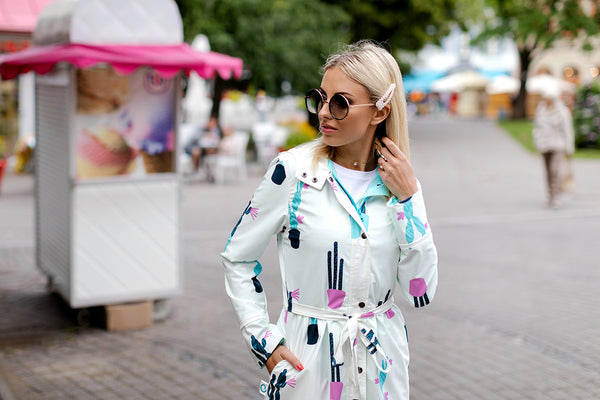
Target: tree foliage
536,25
287,40
278,40
404,24
586,116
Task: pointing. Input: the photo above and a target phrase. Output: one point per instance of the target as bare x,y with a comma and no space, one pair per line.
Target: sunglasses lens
313,101
338,105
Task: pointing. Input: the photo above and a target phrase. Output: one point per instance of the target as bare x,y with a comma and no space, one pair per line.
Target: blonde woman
351,226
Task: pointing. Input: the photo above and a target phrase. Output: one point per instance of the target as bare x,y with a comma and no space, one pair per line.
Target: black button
361,304
359,370
315,180
363,235
304,174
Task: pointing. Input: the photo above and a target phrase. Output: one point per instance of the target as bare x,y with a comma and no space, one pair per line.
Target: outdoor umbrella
503,84
539,83
460,81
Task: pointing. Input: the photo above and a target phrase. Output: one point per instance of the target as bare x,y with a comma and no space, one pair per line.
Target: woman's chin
330,140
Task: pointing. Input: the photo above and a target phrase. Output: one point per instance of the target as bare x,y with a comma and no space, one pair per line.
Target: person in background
351,226
553,138
227,145
204,142
261,105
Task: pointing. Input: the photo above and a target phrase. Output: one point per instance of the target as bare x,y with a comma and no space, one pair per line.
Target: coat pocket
282,379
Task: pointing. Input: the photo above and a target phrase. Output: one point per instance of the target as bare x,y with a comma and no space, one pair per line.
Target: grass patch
520,130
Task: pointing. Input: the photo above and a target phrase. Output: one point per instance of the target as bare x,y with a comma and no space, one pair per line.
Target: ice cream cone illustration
103,152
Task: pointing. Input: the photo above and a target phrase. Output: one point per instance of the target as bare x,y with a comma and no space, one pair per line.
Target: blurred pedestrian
261,105
204,142
553,138
453,104
350,222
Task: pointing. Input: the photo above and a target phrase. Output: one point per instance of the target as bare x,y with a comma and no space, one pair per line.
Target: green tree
278,40
405,24
535,25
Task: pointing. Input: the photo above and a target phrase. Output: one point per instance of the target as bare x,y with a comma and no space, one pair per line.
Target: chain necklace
361,165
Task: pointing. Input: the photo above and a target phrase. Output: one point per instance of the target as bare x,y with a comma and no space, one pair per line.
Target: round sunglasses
339,106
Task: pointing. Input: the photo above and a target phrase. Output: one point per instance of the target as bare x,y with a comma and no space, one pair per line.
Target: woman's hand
282,353
396,171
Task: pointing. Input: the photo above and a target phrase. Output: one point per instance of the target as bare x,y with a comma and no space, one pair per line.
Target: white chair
262,134
234,160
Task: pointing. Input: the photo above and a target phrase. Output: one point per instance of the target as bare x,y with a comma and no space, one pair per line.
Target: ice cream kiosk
108,89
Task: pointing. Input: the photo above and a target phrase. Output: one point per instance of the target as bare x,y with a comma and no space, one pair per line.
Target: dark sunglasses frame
338,100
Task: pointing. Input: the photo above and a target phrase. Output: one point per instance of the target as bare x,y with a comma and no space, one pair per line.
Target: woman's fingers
396,171
282,353
273,359
292,359
391,149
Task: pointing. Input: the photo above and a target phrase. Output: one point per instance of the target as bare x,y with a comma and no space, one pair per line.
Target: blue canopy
420,80
492,73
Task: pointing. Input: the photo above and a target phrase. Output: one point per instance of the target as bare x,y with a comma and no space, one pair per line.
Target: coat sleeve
417,268
264,217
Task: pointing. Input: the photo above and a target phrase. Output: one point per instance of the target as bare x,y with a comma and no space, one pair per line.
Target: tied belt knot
355,330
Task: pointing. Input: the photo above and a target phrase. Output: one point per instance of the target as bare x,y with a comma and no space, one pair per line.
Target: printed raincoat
340,259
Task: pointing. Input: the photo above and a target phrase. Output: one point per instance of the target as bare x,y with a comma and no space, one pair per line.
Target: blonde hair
372,66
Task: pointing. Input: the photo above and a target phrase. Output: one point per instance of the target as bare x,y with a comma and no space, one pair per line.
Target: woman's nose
324,111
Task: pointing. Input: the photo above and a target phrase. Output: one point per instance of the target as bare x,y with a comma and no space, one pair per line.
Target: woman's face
357,128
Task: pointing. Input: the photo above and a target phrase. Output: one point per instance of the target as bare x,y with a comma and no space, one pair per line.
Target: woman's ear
380,115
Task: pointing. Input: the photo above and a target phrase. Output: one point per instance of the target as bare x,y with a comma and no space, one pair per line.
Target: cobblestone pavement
516,316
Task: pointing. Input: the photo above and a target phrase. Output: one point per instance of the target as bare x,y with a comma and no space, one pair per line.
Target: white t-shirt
355,182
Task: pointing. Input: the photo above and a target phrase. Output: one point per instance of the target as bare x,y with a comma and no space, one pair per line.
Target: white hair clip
386,98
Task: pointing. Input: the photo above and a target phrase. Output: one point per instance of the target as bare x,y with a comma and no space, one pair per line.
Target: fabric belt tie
355,327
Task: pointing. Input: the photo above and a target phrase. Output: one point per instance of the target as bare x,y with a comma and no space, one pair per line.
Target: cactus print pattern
340,261
278,175
249,210
276,384
291,295
258,349
411,221
257,270
294,234
418,289
335,294
336,386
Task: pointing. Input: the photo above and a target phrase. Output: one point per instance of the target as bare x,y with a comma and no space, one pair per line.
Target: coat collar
316,177
305,172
